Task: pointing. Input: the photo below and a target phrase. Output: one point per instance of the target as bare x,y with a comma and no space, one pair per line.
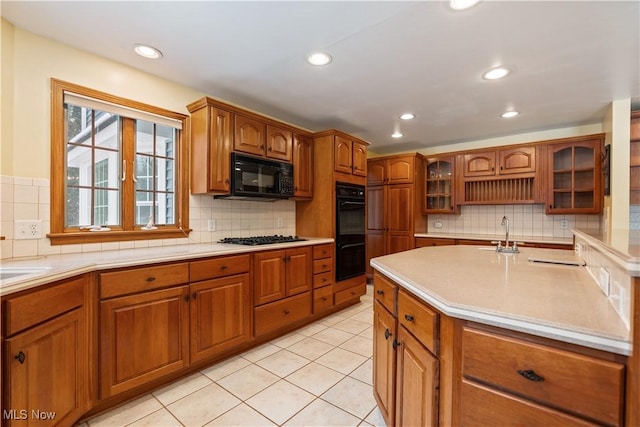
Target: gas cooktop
260,240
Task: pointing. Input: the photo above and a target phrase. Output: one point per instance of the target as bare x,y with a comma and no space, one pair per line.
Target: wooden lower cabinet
384,361
282,273
45,352
416,383
277,315
220,314
143,337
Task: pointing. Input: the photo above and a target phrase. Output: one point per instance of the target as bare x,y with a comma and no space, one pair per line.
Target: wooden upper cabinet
350,156
302,166
211,144
342,155
395,170
279,143
377,172
249,135
500,162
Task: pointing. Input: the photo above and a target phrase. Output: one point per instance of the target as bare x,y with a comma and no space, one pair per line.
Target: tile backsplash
524,221
29,199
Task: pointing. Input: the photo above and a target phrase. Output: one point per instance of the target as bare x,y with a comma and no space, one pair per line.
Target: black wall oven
350,230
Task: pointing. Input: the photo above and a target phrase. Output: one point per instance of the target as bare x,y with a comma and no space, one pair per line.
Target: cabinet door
219,150
279,143
359,159
302,166
399,204
249,135
440,185
575,182
401,170
399,241
220,315
376,172
417,379
143,337
375,208
299,270
376,246
517,160
384,361
480,164
46,370
269,277
342,155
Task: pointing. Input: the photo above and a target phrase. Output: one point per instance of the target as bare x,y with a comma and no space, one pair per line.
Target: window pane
78,207
165,140
144,137
107,133
106,210
106,170
165,209
144,172
77,129
165,175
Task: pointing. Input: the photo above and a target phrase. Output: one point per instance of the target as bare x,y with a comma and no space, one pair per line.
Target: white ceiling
569,59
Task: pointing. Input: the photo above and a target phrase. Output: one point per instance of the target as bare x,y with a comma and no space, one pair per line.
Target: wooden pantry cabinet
46,357
217,129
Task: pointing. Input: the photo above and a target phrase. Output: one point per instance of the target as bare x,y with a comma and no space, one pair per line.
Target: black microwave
253,177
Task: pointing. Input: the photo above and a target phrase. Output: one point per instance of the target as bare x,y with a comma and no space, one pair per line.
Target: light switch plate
28,229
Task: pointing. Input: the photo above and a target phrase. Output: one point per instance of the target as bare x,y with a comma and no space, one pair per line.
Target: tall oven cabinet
394,204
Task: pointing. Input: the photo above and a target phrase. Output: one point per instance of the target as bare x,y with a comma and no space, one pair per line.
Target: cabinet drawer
581,384
385,292
142,279
218,267
322,279
322,265
350,293
322,299
419,319
482,406
30,309
323,251
275,315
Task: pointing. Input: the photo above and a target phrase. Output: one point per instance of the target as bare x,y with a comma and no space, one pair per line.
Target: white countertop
488,238
622,246
64,266
506,290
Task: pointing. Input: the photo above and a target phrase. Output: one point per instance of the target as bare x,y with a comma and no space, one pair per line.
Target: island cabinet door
220,315
384,361
45,381
143,337
417,383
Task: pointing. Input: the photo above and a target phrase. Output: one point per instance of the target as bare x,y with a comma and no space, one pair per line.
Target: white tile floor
320,375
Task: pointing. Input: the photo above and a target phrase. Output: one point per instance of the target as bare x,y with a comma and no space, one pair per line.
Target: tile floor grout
319,375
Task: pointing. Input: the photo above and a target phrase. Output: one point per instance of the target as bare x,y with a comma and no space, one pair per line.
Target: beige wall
30,61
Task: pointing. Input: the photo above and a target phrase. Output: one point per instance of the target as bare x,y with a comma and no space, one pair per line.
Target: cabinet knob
186,298
20,357
286,312
151,279
223,267
396,344
408,317
262,146
324,279
380,292
387,334
194,295
270,149
531,375
324,298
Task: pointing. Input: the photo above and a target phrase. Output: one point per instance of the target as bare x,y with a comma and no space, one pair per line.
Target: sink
12,272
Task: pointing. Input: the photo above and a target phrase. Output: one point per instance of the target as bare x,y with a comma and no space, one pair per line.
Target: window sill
115,236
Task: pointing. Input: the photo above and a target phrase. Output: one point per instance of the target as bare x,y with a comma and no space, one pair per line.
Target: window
117,165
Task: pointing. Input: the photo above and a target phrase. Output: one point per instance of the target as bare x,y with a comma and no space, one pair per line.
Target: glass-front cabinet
440,184
575,177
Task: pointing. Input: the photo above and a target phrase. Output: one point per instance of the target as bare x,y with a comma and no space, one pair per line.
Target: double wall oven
350,230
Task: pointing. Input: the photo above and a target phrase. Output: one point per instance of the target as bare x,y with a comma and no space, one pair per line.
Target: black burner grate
260,240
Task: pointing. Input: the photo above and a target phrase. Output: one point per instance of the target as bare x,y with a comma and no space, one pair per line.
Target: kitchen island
467,336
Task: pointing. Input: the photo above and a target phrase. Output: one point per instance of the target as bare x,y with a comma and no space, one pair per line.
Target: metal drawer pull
151,279
408,317
387,334
20,357
380,292
531,375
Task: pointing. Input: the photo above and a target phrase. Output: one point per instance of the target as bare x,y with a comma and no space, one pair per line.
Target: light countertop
506,290
56,267
488,238
622,246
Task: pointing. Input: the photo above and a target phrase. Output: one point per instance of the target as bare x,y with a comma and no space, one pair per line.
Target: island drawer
323,251
322,279
135,280
421,321
24,311
385,292
219,267
275,315
581,384
322,265
322,299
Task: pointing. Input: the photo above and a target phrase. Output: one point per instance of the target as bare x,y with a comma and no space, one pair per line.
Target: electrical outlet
280,223
564,224
28,229
211,225
437,224
604,280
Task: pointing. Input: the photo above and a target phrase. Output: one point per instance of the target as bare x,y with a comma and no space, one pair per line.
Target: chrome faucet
505,222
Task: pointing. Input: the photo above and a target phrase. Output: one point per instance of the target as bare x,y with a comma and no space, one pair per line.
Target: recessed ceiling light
462,4
407,116
319,58
496,73
147,51
396,135
509,114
